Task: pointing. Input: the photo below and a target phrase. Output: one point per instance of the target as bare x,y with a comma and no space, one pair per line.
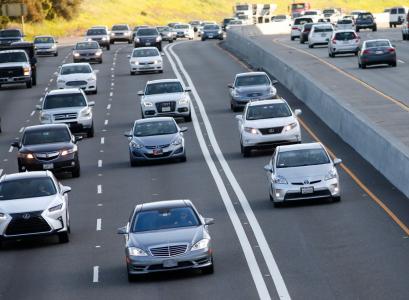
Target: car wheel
183,158
302,41
375,29
76,172
95,92
311,46
56,54
390,25
233,107
29,84
170,41
363,66
359,65
209,269
132,73
246,151
111,42
100,62
1,244
161,71
129,42
277,204
292,38
394,64
336,199
271,197
188,118
91,132
357,29
20,168
132,161
108,47
63,237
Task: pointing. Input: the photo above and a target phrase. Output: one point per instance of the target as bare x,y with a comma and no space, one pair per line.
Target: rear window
344,21
211,27
302,21
323,29
375,44
182,26
365,16
345,36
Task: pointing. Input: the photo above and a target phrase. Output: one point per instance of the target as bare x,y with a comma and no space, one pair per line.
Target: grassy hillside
154,12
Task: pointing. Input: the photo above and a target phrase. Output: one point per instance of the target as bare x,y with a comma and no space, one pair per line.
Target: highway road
354,249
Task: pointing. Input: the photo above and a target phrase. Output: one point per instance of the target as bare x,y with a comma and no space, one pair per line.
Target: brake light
391,50
295,28
365,52
334,41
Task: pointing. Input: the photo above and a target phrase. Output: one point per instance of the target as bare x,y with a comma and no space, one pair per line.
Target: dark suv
8,36
365,21
48,147
148,37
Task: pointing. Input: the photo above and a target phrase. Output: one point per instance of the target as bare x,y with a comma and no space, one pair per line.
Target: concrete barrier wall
387,154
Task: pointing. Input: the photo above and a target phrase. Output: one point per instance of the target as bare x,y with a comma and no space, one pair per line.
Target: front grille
68,116
76,83
157,147
27,223
47,156
309,182
316,194
169,251
11,72
161,105
87,54
146,63
254,95
272,130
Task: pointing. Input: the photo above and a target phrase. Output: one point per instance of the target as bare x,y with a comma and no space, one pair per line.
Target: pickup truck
18,64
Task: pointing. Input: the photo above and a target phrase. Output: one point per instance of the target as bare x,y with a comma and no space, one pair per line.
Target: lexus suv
48,147
68,106
121,33
165,97
167,235
33,204
268,123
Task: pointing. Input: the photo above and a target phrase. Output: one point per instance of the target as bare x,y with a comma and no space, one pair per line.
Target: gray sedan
376,52
156,139
87,52
167,235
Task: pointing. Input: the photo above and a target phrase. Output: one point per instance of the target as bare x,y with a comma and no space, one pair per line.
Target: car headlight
219,32
251,130
290,127
133,251
26,155
177,142
279,180
137,40
85,112
55,208
134,62
147,104
3,216
273,91
236,93
76,54
331,174
45,117
99,53
184,101
53,46
158,38
69,151
157,62
202,244
104,38
26,71
127,33
135,145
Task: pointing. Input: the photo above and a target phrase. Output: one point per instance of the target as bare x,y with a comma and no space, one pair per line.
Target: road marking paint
95,276
32,113
106,122
97,246
41,99
6,159
113,75
99,163
11,149
46,89
51,80
238,227
102,140
112,83
21,129
100,204
1,171
99,189
109,106
111,94
401,61
99,224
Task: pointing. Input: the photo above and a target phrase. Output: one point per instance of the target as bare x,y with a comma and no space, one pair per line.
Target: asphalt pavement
347,250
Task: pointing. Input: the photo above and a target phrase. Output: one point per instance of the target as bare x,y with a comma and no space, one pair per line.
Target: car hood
267,123
46,147
253,89
75,77
14,64
145,59
300,174
44,45
27,204
156,139
163,97
145,240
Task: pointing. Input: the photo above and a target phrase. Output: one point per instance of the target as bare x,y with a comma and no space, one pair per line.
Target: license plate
48,166
211,36
379,52
147,44
307,190
165,108
157,152
170,263
10,79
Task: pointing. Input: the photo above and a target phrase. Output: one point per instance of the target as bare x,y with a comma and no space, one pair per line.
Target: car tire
302,41
56,54
233,107
129,42
95,92
209,269
20,168
132,162
357,29
170,41
375,29
390,25
330,54
336,199
76,172
277,204
363,66
394,64
311,46
188,118
132,73
29,84
246,151
108,47
183,158
63,237
271,197
292,38
100,62
161,71
91,131
1,244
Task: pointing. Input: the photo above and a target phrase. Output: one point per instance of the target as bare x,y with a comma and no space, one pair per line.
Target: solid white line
11,149
258,232
99,224
21,129
99,189
109,106
238,227
106,122
99,163
95,274
401,61
102,140
32,113
1,171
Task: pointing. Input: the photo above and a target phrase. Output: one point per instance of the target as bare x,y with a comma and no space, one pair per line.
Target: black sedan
148,37
87,52
212,32
48,147
376,52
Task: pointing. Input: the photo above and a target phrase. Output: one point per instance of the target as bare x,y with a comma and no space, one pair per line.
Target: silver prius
304,171
167,235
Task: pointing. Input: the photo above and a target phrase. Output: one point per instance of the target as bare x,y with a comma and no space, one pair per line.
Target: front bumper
147,44
344,49
179,111
121,38
171,152
46,51
12,80
93,58
212,36
271,140
91,86
67,163
146,68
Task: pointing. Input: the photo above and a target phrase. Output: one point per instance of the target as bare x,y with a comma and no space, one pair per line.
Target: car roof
250,74
145,48
268,101
45,126
64,91
43,36
303,146
151,120
76,64
23,175
164,204
163,81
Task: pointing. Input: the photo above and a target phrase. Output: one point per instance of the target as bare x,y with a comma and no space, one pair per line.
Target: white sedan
146,59
266,124
78,75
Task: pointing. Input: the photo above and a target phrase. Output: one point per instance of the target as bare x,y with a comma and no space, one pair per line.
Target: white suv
297,26
69,106
320,34
268,123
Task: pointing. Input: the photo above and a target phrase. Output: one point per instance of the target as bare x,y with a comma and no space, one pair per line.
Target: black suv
148,37
48,147
8,36
365,21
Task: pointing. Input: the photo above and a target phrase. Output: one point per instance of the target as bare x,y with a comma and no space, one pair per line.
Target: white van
397,15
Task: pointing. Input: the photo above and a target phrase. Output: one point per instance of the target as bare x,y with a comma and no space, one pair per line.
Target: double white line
241,234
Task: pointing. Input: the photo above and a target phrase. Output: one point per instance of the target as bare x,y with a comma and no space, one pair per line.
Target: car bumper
148,44
242,101
12,80
146,68
46,51
66,164
271,140
172,152
378,59
150,264
344,49
123,38
180,111
88,58
89,87
318,41
365,26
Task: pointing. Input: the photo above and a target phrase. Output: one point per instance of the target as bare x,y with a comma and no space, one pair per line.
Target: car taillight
295,28
365,52
334,41
391,50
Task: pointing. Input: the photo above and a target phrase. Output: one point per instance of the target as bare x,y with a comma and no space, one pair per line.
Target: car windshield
235,22
280,17
328,11
345,36
162,219
145,52
310,13
301,158
268,111
6,57
181,26
155,128
375,44
302,21
252,80
211,27
10,33
147,32
364,16
85,46
162,29
75,69
97,31
120,27
322,29
163,88
27,188
43,40
46,136
64,100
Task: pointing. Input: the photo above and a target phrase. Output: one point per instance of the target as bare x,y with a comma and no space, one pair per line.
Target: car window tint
165,219
75,69
96,32
155,128
6,57
401,10
302,157
163,88
344,36
84,46
322,29
43,40
268,111
375,44
252,80
27,188
147,32
10,33
64,100
211,27
46,136
119,27
145,52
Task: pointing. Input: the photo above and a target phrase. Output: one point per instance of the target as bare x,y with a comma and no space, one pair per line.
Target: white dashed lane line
109,106
11,149
99,189
99,224
102,140
21,129
401,61
95,275
106,122
111,94
32,113
99,163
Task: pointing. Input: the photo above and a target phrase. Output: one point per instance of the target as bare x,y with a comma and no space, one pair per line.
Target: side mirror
209,221
91,103
274,82
127,134
163,54
38,107
96,71
297,112
267,168
122,230
239,117
337,161
65,189
78,138
188,89
140,93
183,129
230,85
15,144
